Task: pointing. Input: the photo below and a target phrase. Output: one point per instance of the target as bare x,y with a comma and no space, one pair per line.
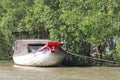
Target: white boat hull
43,58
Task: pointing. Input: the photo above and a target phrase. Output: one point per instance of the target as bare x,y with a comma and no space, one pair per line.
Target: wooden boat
38,53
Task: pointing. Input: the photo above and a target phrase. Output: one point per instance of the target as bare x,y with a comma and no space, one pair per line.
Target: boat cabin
28,45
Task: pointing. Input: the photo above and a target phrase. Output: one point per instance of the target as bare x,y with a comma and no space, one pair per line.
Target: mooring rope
97,59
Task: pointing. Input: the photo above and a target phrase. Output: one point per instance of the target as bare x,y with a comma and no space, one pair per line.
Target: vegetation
81,24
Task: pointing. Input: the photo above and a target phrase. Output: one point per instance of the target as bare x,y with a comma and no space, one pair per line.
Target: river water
10,71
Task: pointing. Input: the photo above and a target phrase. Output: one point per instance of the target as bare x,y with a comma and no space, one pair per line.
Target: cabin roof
41,41
34,41
26,40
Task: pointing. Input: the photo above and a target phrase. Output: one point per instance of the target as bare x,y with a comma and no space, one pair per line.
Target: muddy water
9,71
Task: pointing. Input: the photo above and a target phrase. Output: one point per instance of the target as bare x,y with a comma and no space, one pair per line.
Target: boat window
34,47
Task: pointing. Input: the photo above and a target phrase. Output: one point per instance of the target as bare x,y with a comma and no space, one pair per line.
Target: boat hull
42,58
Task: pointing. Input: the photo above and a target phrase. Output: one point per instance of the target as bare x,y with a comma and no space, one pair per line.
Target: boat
37,52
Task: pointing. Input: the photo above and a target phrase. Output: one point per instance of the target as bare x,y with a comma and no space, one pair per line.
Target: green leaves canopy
72,21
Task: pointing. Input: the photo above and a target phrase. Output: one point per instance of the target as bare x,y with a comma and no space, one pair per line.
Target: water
9,71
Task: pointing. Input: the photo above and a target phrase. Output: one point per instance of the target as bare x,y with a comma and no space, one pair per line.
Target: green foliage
72,21
116,52
84,21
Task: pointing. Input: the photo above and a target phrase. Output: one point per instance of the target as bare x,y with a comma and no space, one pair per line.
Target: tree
77,22
83,21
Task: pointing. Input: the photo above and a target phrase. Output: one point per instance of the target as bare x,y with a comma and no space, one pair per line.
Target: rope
97,59
88,57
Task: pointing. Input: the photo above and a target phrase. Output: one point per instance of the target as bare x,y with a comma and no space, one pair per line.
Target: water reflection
41,69
9,71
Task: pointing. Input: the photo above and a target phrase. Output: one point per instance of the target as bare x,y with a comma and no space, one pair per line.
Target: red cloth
52,45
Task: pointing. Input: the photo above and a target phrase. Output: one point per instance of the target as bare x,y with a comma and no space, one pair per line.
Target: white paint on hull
42,58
